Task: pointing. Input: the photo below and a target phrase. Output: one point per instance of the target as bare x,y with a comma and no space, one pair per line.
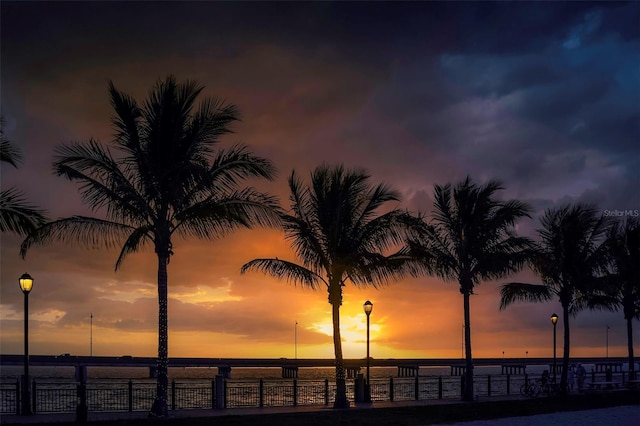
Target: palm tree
471,239
336,235
568,259
16,214
167,180
621,287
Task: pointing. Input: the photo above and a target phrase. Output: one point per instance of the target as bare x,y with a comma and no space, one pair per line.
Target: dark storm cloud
541,95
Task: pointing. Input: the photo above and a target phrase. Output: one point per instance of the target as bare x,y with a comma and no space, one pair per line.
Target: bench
633,384
603,385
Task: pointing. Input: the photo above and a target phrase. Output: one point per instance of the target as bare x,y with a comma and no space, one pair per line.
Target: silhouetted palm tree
337,237
166,180
621,284
569,260
469,239
16,214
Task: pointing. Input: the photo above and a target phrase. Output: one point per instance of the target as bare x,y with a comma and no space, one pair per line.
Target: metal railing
135,396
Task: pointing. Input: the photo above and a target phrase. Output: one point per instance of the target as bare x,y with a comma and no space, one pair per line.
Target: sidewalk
11,419
507,411
625,415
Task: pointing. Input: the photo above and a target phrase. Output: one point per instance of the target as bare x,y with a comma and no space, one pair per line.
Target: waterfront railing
228,393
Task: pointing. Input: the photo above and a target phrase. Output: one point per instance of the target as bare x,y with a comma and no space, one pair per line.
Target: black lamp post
368,307
26,283
554,321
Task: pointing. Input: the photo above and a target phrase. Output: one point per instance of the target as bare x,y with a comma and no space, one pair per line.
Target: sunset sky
544,96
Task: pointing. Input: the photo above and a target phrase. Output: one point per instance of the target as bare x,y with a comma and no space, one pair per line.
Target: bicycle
531,389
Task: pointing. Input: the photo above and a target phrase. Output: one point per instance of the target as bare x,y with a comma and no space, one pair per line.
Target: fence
133,396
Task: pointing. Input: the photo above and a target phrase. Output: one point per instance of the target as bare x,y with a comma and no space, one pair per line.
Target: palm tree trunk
632,363
467,392
335,298
565,356
160,408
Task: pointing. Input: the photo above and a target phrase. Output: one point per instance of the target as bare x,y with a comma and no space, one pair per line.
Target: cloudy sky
542,96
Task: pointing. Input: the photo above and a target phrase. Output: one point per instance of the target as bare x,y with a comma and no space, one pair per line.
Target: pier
408,367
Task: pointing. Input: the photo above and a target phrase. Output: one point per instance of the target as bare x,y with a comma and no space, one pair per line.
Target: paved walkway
625,415
7,419
618,416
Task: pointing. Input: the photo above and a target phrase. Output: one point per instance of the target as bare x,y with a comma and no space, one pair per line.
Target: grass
417,415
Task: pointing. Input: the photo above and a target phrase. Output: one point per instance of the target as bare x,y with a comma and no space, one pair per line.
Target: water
131,388
9,374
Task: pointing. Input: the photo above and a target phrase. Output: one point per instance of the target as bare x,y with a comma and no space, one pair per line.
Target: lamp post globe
26,284
554,321
368,307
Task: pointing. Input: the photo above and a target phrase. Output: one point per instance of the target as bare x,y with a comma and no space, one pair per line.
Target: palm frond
136,239
236,164
102,182
376,270
125,121
84,231
471,234
8,152
289,271
523,292
17,215
214,218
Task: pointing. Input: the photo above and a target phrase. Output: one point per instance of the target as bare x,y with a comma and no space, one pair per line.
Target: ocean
9,374
131,388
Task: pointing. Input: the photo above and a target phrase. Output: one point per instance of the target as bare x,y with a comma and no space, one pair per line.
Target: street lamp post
368,307
26,283
554,321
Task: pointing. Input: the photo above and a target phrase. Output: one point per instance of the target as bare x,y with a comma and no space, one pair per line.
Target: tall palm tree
166,181
621,287
469,239
16,214
337,237
569,259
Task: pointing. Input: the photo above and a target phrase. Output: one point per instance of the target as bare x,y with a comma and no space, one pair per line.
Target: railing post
359,388
17,396
173,395
508,384
220,391
295,392
130,395
326,391
526,380
224,394
34,408
440,387
593,375
213,394
390,388
489,385
462,385
261,390
81,409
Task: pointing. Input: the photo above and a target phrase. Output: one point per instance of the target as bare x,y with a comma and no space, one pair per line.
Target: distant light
554,319
26,282
368,307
